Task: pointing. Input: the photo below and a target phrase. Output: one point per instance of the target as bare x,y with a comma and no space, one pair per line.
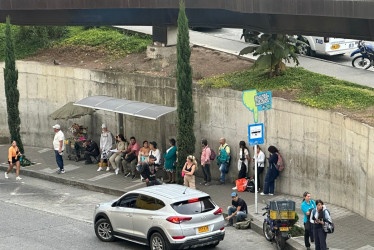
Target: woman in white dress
243,160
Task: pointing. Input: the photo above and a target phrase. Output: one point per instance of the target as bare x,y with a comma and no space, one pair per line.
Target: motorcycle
280,218
366,59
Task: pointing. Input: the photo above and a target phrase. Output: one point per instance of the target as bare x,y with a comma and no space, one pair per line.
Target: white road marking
102,176
44,150
15,191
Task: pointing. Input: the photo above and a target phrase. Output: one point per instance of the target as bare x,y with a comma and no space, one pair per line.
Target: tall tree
186,137
11,91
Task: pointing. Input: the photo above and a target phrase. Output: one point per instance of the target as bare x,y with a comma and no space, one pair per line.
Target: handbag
328,227
130,158
183,173
241,184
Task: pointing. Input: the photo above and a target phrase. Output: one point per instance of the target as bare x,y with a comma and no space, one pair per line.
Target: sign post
256,102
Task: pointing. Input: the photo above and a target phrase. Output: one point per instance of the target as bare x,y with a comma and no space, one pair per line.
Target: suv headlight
97,206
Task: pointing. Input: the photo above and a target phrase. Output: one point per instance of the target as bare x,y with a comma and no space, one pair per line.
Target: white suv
163,217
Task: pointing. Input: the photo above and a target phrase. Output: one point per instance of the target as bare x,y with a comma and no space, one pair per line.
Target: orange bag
241,184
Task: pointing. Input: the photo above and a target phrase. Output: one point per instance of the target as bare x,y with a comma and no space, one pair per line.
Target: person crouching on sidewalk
238,208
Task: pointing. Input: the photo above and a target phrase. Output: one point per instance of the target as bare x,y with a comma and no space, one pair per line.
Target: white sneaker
262,193
6,175
107,168
271,194
117,170
99,169
18,178
234,188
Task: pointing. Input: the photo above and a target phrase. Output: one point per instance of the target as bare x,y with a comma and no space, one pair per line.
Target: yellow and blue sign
256,101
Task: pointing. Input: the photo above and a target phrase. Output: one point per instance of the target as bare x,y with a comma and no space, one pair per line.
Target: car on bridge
162,217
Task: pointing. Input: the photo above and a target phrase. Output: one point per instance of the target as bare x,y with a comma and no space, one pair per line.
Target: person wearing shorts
13,159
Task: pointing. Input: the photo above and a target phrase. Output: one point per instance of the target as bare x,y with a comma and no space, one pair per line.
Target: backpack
212,155
280,164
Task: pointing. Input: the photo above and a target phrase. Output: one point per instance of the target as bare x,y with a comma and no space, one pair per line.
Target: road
38,214
235,34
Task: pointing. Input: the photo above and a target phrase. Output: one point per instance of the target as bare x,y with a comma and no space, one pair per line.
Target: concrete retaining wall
326,153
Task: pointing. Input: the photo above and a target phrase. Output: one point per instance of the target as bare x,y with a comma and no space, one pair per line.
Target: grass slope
309,88
113,41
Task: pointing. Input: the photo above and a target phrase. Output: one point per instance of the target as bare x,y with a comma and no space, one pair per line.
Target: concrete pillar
166,36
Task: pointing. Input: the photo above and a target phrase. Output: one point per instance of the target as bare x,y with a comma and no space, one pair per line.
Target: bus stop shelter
130,108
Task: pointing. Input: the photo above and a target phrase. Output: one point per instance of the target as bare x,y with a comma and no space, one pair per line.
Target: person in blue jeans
272,172
306,206
238,208
223,159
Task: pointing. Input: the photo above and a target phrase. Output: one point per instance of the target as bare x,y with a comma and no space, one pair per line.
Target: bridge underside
268,23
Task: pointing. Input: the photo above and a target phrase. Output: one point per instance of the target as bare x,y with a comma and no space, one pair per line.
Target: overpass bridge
337,18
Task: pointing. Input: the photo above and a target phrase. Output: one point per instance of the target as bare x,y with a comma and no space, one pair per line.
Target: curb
256,225
77,184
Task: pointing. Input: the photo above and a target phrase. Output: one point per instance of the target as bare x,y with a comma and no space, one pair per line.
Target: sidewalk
352,231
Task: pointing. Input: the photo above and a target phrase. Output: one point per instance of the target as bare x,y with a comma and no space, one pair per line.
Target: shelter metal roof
124,106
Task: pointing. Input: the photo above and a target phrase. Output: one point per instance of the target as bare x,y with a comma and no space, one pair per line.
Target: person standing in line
272,172
105,145
319,217
205,162
189,169
223,159
307,206
170,158
59,147
116,158
243,160
13,159
260,166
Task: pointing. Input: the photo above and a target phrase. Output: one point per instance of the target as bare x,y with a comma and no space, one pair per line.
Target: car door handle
129,215
151,218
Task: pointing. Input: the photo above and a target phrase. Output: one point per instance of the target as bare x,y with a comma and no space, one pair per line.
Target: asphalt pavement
313,64
352,230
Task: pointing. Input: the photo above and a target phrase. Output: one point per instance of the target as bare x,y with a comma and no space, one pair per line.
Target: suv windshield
197,206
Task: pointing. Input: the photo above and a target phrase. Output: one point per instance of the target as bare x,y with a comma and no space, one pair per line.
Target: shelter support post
162,124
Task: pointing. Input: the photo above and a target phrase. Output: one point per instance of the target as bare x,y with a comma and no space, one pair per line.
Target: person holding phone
319,217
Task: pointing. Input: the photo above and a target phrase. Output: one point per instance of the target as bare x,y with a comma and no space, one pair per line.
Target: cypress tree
185,108
11,91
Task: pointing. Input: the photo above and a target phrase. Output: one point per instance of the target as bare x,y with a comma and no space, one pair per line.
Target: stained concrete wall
326,153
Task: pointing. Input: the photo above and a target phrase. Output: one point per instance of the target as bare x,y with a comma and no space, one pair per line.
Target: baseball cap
57,126
103,126
234,194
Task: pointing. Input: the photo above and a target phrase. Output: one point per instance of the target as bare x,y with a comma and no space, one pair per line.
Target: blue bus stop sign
256,134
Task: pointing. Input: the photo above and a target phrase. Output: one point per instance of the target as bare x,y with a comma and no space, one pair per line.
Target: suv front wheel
104,230
158,242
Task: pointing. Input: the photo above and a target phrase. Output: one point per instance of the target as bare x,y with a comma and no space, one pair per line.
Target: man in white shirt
59,147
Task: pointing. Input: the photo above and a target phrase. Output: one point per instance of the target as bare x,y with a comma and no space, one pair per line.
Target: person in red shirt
205,162
131,158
